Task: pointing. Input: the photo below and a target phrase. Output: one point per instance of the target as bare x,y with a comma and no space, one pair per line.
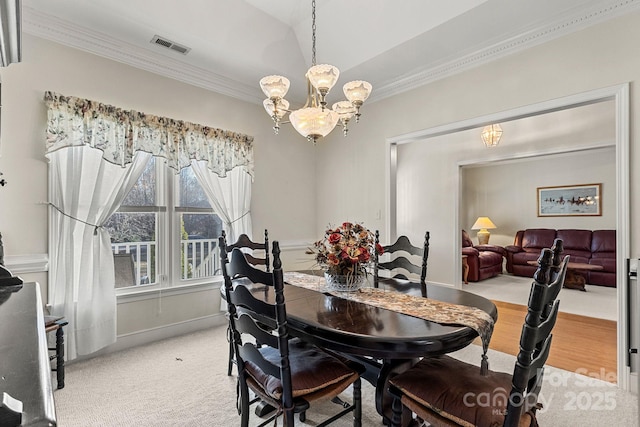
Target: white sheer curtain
85,191
230,197
97,152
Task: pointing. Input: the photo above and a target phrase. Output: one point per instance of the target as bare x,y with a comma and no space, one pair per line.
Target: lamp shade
345,109
357,91
483,222
283,107
275,87
313,122
323,76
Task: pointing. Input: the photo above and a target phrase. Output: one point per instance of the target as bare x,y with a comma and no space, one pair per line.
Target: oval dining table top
339,324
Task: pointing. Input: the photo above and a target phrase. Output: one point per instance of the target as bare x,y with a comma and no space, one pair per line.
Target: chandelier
314,120
491,135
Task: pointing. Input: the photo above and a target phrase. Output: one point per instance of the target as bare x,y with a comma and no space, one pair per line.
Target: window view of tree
200,228
136,227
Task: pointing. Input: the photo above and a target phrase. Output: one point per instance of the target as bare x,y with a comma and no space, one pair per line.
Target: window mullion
164,240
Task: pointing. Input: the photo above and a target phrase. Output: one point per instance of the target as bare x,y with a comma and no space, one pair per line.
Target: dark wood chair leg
357,401
396,408
231,352
58,326
60,357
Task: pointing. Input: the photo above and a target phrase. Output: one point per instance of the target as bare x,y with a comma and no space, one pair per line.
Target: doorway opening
408,210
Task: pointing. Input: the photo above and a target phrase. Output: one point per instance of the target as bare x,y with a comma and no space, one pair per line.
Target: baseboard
633,382
147,336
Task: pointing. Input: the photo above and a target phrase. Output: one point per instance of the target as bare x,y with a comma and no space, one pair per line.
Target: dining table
386,341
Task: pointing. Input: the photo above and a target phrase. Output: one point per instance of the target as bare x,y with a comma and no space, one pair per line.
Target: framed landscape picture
570,200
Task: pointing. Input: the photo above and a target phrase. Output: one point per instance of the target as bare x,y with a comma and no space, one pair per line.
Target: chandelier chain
315,119
313,32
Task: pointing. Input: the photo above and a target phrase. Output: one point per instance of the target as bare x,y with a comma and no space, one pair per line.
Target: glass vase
344,283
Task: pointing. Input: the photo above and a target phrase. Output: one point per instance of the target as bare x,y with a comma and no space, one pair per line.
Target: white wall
283,192
299,188
599,56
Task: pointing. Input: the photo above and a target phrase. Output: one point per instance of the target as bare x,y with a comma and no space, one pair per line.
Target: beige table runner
424,308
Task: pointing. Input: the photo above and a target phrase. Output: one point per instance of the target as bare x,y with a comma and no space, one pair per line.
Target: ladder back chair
245,242
282,371
447,392
400,262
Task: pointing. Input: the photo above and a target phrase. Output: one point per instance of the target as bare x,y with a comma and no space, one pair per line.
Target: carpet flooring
182,381
598,301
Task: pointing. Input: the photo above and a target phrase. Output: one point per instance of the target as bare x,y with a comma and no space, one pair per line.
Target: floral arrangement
346,250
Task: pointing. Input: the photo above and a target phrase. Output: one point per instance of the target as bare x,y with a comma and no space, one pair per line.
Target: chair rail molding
33,263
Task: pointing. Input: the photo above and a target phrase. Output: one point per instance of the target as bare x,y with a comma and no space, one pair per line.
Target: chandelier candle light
483,223
314,120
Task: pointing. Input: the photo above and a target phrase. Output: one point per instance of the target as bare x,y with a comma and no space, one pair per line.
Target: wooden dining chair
283,371
245,242
447,392
399,264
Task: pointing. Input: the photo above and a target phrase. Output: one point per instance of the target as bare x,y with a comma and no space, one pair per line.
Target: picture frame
570,200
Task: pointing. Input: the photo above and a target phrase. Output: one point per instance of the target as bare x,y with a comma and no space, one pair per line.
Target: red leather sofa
584,246
484,261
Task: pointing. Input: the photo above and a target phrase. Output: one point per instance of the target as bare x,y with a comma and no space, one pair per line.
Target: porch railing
199,258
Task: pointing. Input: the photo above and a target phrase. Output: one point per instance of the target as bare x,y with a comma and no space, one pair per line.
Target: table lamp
482,224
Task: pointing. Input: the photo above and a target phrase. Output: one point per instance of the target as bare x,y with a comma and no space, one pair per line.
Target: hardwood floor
580,344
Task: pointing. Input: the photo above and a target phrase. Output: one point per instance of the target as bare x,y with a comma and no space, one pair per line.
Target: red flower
364,255
334,238
346,249
379,249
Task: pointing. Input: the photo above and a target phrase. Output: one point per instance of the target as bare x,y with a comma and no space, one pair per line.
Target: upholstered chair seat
314,374
456,394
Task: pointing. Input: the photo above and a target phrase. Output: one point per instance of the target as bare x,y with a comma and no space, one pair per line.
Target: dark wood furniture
398,262
286,373
24,362
353,328
447,392
575,274
56,324
465,269
245,242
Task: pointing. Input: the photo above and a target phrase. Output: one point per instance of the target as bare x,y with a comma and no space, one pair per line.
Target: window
198,229
167,228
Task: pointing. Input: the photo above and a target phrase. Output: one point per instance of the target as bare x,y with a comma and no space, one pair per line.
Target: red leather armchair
484,261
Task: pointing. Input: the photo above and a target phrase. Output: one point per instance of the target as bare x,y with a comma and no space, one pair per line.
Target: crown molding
562,26
69,34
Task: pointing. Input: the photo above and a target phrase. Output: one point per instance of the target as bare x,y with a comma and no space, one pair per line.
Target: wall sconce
482,224
491,135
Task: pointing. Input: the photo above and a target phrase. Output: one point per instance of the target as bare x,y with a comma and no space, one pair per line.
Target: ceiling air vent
161,41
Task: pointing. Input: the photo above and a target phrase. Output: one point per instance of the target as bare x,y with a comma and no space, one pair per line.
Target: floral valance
120,133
